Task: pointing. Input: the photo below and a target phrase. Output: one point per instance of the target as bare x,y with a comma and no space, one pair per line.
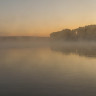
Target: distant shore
86,33
22,38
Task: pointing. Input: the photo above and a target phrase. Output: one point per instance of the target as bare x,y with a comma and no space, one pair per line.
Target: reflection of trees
81,51
81,33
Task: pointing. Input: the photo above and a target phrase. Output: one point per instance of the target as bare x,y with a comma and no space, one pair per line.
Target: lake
47,71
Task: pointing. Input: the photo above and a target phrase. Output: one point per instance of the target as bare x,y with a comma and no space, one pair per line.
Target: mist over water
47,47
46,68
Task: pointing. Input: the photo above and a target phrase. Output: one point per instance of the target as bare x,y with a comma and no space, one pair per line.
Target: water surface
47,71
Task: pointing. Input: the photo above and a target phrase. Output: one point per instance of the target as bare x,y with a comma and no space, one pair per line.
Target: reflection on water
87,51
44,72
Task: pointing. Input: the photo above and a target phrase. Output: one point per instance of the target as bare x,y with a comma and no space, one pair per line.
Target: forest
86,33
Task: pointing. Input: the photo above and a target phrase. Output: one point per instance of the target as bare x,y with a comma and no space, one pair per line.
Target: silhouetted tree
81,33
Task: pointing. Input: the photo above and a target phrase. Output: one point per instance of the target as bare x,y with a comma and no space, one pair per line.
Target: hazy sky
41,17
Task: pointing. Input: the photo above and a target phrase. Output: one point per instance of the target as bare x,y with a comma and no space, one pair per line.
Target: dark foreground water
47,71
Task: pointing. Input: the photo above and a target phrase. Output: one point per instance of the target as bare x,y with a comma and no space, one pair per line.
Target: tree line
81,33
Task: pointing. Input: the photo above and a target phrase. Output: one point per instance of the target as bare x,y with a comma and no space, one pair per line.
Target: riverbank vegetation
86,33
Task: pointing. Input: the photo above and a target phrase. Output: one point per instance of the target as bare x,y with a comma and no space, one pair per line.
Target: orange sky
41,17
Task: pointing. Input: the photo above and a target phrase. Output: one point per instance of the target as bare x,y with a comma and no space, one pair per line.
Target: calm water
47,71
